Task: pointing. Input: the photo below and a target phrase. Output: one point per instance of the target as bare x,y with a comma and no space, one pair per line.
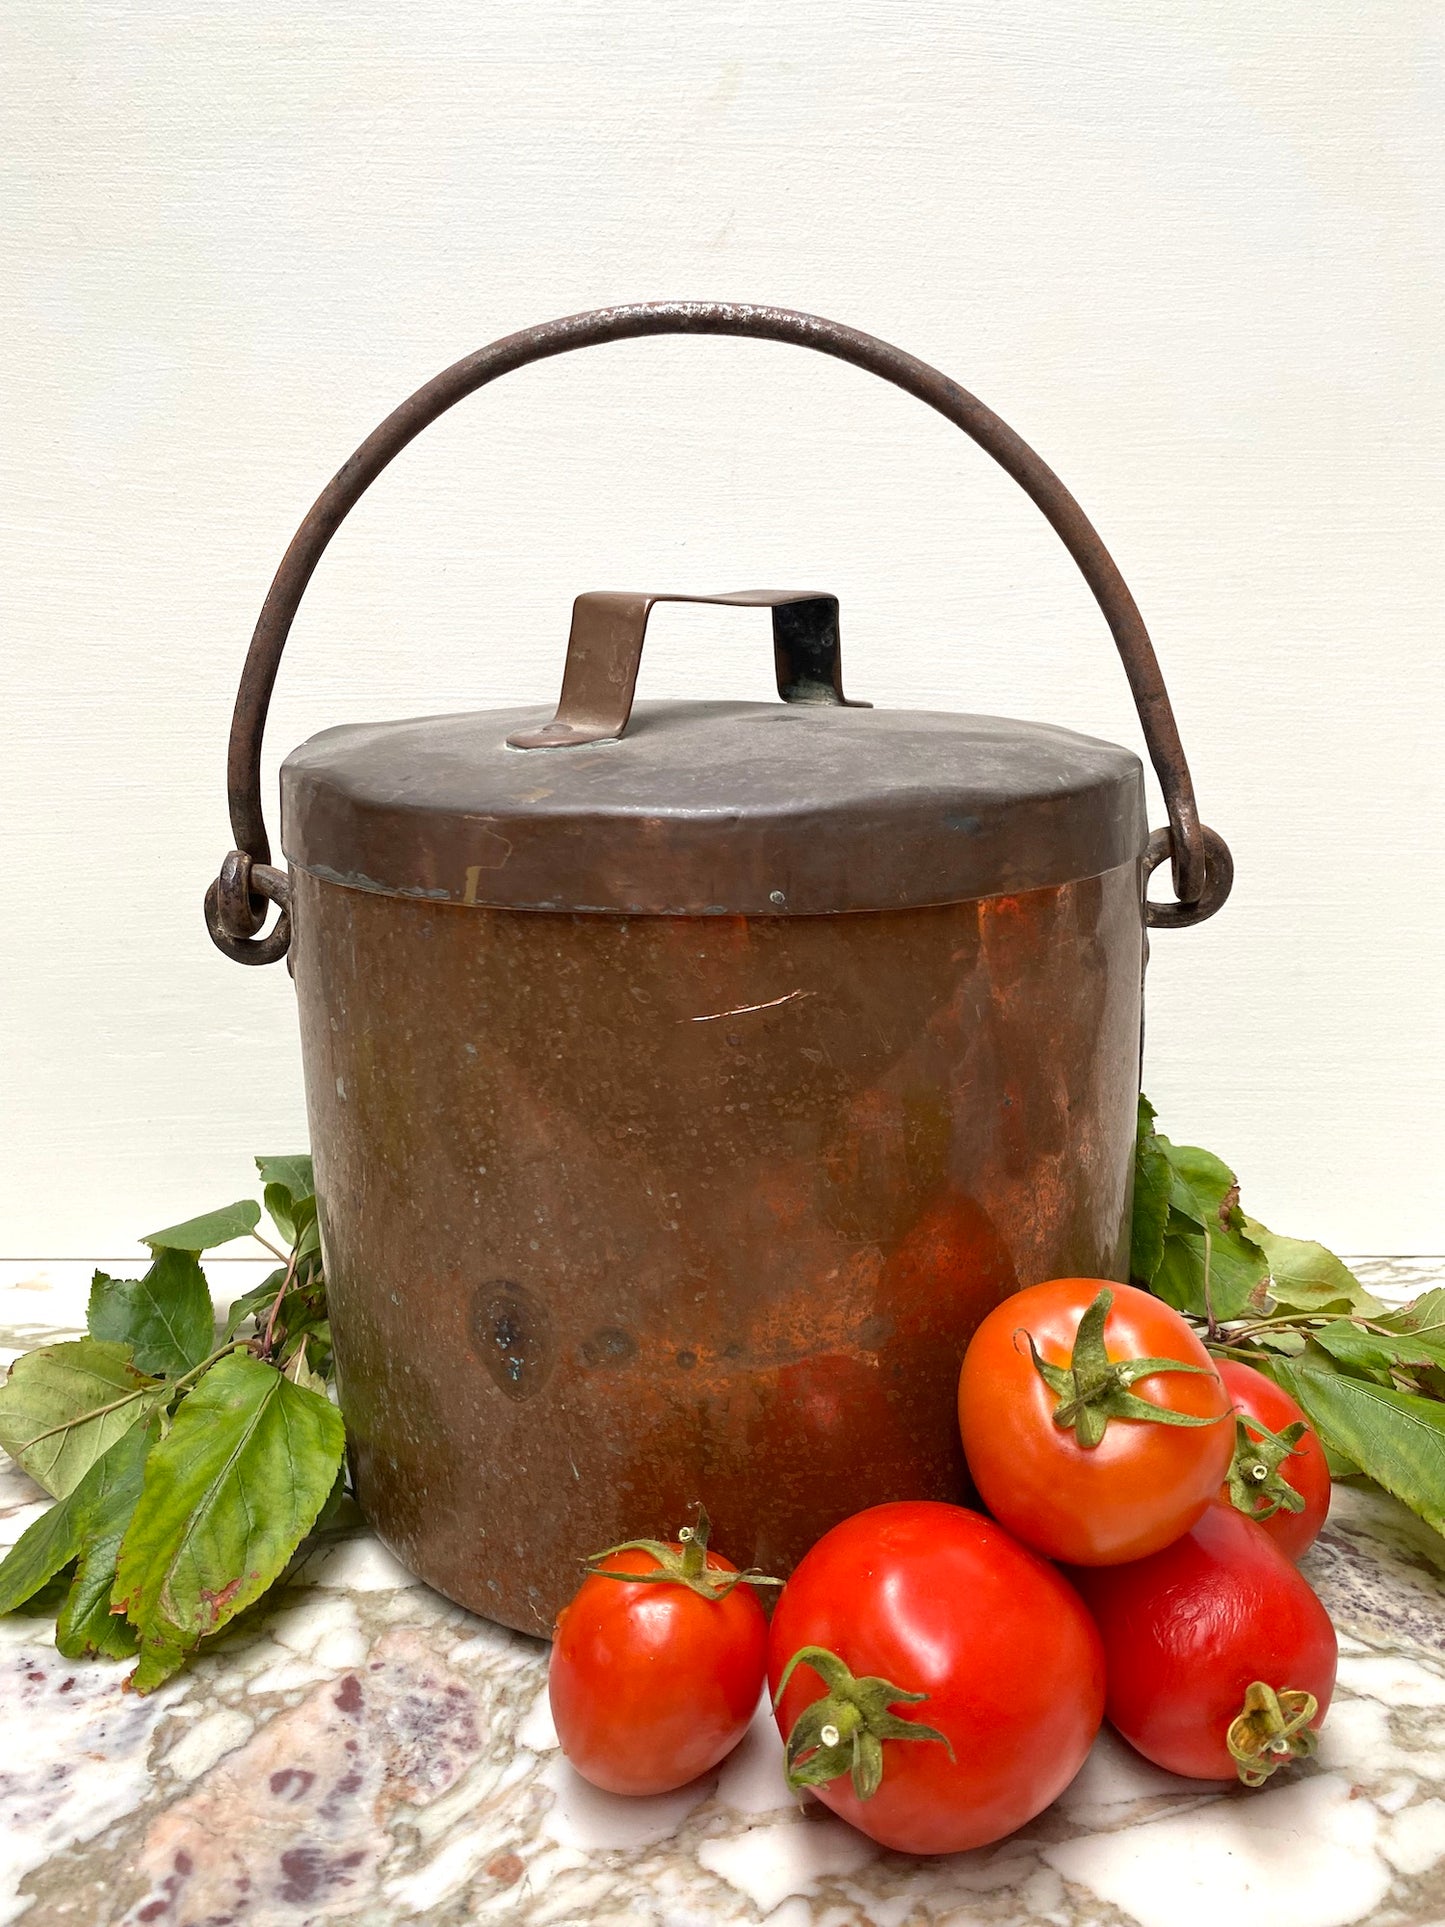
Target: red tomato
962,1630
1058,1469
1304,1467
652,1684
1189,1634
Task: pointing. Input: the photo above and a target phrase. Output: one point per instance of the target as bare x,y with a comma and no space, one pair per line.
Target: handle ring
1218,880
236,909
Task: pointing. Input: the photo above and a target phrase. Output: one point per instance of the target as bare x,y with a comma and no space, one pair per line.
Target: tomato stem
1093,1388
683,1564
843,1732
1257,1486
1270,1730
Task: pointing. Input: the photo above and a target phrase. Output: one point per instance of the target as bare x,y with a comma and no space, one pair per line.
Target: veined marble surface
362,1751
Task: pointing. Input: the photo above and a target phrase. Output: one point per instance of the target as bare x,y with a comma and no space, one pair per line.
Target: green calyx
683,1564
1093,1388
1257,1487
1270,1730
844,1731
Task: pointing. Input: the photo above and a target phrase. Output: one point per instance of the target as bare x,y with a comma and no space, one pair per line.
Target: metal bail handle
1200,862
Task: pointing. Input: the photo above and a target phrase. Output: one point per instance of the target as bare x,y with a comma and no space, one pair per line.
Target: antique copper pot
686,1081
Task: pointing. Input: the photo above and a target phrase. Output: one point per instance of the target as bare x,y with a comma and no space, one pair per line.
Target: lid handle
604,653
1198,857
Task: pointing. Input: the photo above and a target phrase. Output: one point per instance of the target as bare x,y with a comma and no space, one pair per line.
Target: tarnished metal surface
622,1213
604,653
236,909
712,809
1217,884
1188,855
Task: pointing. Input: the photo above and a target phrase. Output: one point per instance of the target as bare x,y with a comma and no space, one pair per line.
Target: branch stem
285,1286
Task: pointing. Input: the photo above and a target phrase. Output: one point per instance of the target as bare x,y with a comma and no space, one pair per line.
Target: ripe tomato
1076,1450
1264,1476
652,1682
1199,1638
935,1613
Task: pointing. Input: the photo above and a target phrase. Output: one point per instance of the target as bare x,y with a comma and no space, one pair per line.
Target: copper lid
712,809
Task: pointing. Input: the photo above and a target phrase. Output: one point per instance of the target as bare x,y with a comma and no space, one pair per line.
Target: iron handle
1199,859
604,653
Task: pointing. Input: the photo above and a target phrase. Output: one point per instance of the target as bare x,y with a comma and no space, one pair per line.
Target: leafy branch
188,1466
1371,1380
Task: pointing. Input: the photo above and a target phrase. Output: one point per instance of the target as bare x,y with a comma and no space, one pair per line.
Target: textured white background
1192,252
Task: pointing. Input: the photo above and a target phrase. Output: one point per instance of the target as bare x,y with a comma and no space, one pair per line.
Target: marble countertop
363,1751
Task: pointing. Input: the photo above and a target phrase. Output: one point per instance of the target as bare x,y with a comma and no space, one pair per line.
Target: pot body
624,1213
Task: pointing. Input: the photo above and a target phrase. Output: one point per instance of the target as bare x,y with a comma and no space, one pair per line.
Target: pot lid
712,809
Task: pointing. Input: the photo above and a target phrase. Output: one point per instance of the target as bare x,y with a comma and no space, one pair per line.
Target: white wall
1192,252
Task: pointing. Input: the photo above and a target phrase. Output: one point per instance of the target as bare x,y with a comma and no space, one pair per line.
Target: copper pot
687,1080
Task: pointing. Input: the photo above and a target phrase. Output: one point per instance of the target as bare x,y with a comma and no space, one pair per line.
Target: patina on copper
711,809
684,1090
620,1214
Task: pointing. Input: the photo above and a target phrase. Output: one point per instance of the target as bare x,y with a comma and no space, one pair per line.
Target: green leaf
340,1514
1304,1276
166,1317
86,1626
108,1495
1152,1181
1372,1352
1208,1263
318,1349
1423,1322
43,1548
293,1217
1394,1437
1202,1188
1339,1466
70,1528
1425,1312
64,1406
1236,1269
214,1228
299,1371
229,1495
253,1303
295,1173
1349,1349
1286,1340
303,1310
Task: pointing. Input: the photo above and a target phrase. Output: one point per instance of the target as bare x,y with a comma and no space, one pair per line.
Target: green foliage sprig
188,1464
1371,1380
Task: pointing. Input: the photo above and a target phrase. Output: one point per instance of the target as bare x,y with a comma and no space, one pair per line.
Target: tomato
1261,1476
1067,1446
652,1682
924,1614
1200,1637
